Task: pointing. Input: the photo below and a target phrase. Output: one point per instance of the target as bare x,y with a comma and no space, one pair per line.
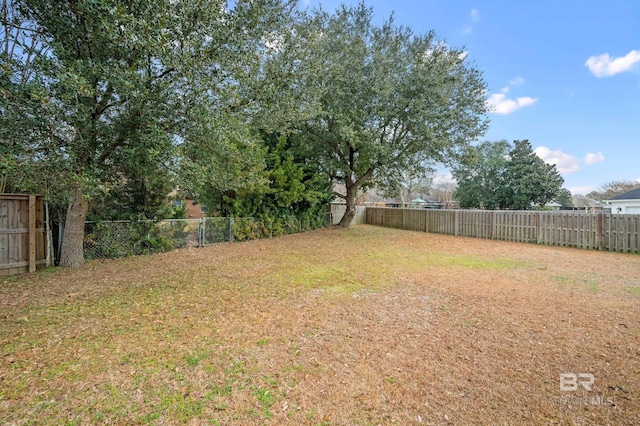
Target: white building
627,203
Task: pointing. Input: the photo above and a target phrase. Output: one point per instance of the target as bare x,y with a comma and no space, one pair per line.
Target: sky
563,74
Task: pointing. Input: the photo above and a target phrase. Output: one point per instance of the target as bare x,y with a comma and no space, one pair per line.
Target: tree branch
339,195
103,104
367,175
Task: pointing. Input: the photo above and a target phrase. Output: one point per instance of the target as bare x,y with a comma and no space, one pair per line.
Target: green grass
587,283
266,398
635,290
193,360
341,276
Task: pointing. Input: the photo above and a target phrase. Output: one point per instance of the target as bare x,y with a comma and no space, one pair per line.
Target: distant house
552,205
417,203
431,203
580,202
627,203
193,210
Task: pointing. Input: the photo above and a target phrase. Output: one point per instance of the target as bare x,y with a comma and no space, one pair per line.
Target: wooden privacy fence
22,233
338,210
596,231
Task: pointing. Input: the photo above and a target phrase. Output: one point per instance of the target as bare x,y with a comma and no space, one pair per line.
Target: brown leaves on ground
343,327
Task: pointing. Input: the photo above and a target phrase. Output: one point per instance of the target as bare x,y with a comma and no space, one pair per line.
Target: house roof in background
634,194
582,201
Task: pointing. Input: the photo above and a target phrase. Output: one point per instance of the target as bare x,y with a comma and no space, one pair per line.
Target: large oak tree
119,84
390,100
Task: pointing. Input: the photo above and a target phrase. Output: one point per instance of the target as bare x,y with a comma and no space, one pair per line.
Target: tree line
254,107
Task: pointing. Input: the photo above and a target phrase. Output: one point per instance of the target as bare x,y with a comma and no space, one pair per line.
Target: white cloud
581,190
565,163
592,158
444,178
516,81
475,17
500,104
606,66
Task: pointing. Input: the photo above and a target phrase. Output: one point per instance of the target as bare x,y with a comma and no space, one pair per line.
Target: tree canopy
613,188
117,86
482,177
390,100
287,188
564,198
500,175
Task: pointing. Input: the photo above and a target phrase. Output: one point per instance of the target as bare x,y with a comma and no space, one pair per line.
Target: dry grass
333,327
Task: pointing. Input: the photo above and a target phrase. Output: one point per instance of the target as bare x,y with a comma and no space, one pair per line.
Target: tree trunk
350,213
72,241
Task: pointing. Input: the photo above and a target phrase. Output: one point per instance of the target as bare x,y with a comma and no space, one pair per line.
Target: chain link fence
115,239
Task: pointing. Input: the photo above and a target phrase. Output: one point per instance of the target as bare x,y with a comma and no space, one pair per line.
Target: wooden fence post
539,231
427,215
456,222
32,233
599,231
426,220
492,231
48,237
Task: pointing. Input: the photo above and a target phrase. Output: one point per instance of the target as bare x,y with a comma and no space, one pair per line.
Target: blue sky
563,74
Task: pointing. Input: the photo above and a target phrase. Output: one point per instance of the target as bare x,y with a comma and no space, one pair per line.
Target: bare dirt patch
332,327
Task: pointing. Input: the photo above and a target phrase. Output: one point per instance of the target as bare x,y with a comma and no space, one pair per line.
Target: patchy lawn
332,327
